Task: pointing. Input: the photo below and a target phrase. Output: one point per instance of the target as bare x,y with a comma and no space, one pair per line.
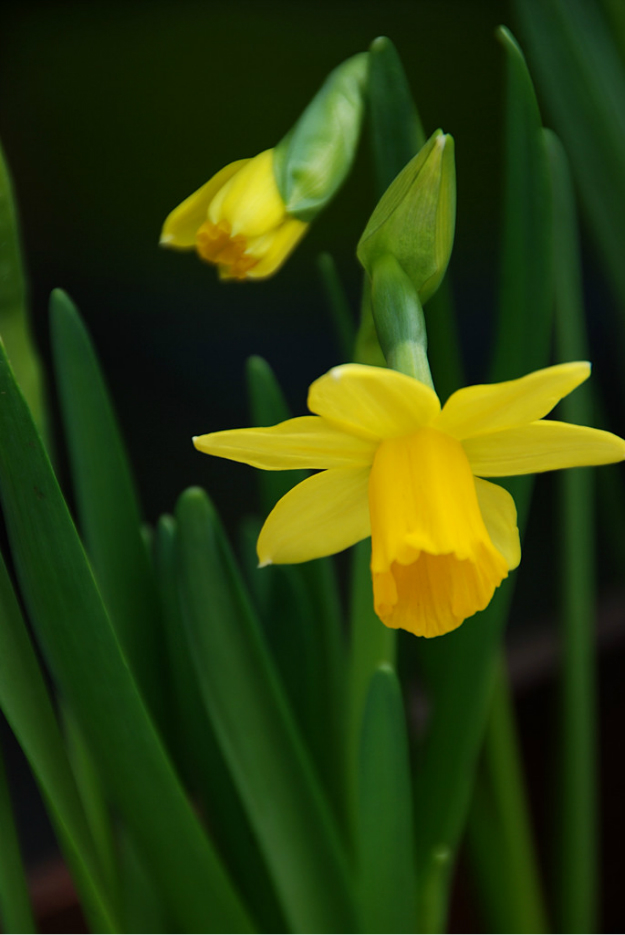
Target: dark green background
112,113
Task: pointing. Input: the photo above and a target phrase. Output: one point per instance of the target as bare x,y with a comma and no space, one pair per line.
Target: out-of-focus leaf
14,324
576,806
581,75
460,667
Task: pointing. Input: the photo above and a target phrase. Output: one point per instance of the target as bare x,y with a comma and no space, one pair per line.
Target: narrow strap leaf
526,289
256,730
460,669
27,707
385,844
198,755
343,323
579,71
576,807
268,406
14,320
108,510
499,834
92,673
396,130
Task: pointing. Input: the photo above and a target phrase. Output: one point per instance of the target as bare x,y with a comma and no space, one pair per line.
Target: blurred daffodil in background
249,217
397,467
238,221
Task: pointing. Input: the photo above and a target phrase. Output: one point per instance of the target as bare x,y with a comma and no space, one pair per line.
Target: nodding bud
414,220
312,161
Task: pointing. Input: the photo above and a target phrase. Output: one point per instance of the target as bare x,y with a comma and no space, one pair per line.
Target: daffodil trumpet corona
395,465
237,221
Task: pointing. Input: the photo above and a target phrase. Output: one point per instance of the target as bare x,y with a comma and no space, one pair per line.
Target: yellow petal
274,249
499,514
324,514
250,202
541,446
496,406
373,402
181,225
305,442
433,562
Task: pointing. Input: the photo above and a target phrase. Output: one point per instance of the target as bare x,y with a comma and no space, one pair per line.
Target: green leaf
92,674
268,406
199,757
526,289
580,73
577,831
256,729
385,843
14,321
15,910
499,837
27,707
107,504
396,130
461,666
342,319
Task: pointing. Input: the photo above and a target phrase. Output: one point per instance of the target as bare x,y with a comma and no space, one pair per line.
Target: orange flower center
215,244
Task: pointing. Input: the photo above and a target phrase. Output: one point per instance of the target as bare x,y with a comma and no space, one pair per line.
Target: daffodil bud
415,218
249,217
313,159
237,220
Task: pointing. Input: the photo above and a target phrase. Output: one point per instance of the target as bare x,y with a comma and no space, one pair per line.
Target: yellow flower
238,221
397,467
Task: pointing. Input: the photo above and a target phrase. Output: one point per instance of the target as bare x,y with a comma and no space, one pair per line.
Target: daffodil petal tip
165,239
265,563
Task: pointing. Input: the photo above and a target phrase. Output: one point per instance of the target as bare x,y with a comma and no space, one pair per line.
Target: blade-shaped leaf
268,406
27,707
396,130
460,667
92,673
575,56
14,323
385,844
576,807
257,731
107,505
199,757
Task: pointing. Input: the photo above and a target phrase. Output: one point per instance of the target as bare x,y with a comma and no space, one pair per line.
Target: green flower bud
414,220
313,159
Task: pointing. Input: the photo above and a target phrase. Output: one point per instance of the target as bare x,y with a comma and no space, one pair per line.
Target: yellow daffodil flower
396,466
238,221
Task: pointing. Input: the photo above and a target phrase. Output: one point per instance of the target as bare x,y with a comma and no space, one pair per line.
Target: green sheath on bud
313,159
414,220
399,322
